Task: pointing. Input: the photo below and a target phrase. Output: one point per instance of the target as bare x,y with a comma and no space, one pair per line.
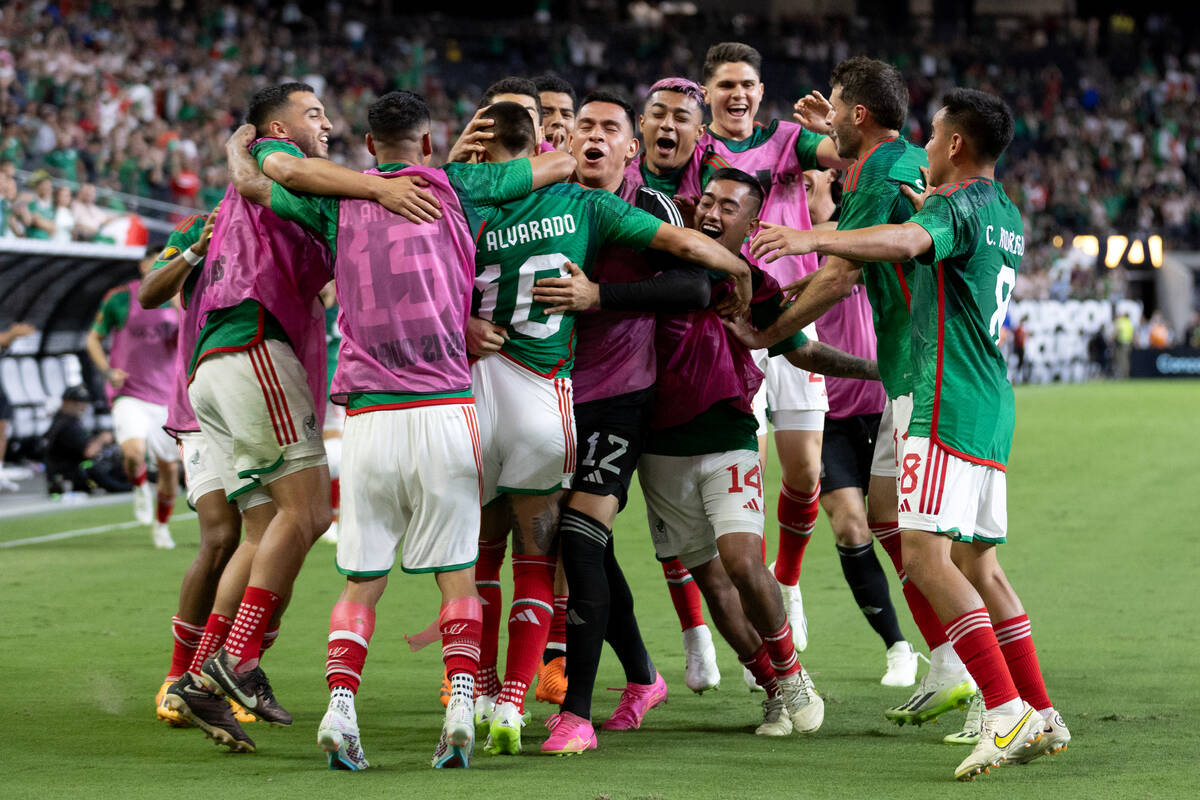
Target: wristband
191,257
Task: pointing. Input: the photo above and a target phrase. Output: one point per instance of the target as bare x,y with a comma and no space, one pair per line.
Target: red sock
165,506
461,623
335,495
931,628
350,629
781,650
528,624
187,638
141,476
1016,643
797,516
268,639
759,665
685,594
253,617
487,583
216,631
558,625
975,642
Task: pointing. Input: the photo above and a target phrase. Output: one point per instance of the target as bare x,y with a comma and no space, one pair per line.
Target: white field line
116,526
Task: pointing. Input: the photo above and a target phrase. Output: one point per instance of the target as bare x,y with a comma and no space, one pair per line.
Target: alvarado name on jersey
530,230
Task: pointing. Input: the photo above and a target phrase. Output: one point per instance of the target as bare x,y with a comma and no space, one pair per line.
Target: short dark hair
615,98
983,118
736,175
268,102
398,116
549,82
512,128
730,52
512,85
877,86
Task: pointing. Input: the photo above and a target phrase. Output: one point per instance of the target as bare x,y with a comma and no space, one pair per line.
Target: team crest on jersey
168,253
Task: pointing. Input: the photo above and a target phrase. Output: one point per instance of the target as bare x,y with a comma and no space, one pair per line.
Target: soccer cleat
445,693
933,698
801,702
239,713
160,534
167,714
1001,737
570,734
776,721
208,711
700,672
457,744
339,738
636,700
504,733
902,663
751,683
250,688
970,730
552,681
143,503
1055,738
793,604
485,706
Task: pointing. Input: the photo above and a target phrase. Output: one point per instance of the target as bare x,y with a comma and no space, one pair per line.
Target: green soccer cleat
932,699
969,735
504,734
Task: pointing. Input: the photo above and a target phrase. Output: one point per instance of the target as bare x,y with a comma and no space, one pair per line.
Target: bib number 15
520,312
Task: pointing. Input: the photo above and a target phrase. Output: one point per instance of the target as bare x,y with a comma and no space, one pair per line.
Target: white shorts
335,417
200,470
134,418
260,430
691,501
943,493
410,484
893,430
527,425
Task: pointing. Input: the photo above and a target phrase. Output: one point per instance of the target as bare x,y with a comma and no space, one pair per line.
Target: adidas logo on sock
524,616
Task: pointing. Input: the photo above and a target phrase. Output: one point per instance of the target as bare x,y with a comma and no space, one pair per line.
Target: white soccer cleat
161,535
751,684
902,664
935,695
339,738
776,721
1002,737
970,730
793,605
701,672
457,744
143,503
485,706
801,701
1055,738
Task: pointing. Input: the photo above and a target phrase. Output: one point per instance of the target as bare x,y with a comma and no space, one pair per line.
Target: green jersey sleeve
315,212
265,147
618,222
491,184
940,221
113,312
183,237
764,313
806,149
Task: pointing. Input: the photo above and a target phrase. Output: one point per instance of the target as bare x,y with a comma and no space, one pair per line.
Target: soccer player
867,106
257,366
175,273
776,154
967,241
405,395
521,91
137,373
558,109
614,378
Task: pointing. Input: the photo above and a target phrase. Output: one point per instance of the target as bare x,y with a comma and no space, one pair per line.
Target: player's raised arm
244,172
552,167
828,360
692,245
166,279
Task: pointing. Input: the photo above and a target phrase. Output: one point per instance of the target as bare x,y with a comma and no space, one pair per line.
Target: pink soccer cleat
569,734
636,700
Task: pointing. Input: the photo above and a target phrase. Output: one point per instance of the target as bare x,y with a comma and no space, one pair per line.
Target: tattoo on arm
827,360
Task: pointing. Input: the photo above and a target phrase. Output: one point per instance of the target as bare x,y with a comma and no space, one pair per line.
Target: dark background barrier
1174,362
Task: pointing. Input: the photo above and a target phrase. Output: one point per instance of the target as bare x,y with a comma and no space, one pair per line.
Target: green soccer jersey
186,234
113,312
961,395
872,196
333,340
524,241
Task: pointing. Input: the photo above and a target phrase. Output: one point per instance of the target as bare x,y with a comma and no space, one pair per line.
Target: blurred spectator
39,211
1098,354
64,218
89,217
1020,338
1159,334
1122,345
75,459
10,225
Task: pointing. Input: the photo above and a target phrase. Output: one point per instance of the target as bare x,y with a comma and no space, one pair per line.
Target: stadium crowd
130,97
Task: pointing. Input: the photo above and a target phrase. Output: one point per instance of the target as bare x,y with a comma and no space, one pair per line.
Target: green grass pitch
1103,510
